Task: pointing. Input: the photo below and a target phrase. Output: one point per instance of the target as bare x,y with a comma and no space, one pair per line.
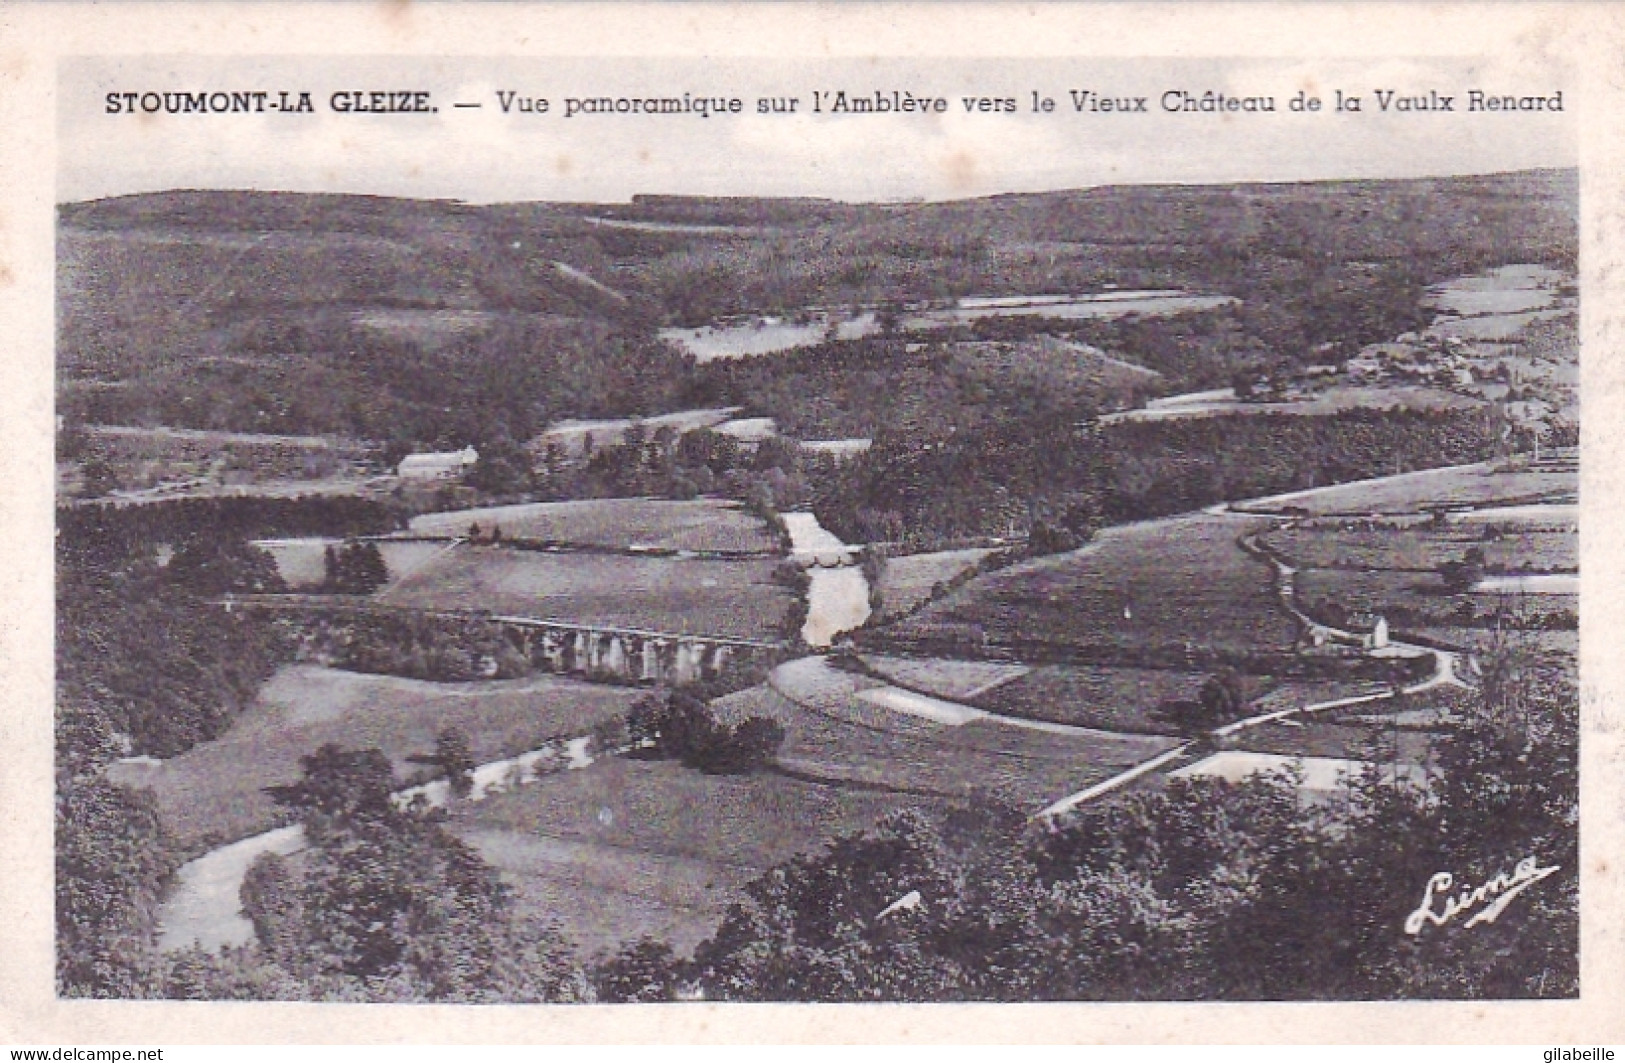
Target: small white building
1371,629
437,465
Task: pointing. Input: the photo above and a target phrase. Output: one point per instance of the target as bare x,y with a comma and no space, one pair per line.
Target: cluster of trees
354,567
1338,244
453,759
855,388
113,858
1199,890
111,532
669,464
1223,698
146,666
209,565
681,725
1460,575
444,649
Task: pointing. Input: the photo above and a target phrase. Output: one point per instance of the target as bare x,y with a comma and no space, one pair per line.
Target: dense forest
114,532
1002,481
144,667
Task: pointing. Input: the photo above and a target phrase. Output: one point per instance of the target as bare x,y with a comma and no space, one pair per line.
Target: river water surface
838,593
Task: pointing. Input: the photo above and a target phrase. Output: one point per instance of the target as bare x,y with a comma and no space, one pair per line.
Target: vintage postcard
569,509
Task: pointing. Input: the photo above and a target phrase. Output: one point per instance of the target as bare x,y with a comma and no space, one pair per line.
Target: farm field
770,335
571,435
1293,693
855,739
732,598
177,462
870,747
1331,400
1115,699
1422,549
1414,600
215,790
765,336
1499,304
1562,643
907,579
1046,360
1416,492
1099,305
626,523
955,680
1504,290
1152,588
1351,740
629,848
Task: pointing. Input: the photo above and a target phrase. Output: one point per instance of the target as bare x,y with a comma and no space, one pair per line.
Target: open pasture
572,436
1072,308
624,523
863,744
1323,403
907,580
628,847
978,761
1417,492
1503,290
1492,328
770,335
1562,643
955,680
1416,600
1423,549
1157,586
732,598
1346,739
1114,699
1047,360
1499,304
216,790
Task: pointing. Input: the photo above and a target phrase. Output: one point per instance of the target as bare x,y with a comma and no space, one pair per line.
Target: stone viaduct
565,647
627,654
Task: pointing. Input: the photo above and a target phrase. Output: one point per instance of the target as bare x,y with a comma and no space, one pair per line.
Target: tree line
1009,479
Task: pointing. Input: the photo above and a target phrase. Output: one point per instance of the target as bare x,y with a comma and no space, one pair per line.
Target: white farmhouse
437,465
1371,629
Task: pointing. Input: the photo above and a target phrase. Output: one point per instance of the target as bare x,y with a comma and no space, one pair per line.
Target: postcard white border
34,36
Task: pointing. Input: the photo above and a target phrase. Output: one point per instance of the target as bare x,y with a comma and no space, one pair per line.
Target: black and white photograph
707,530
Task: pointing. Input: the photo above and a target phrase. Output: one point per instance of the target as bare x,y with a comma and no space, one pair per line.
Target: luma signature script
1497,893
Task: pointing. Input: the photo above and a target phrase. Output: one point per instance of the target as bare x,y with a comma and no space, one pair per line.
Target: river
202,906
838,593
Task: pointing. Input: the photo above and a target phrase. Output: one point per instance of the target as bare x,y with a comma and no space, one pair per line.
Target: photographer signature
1498,892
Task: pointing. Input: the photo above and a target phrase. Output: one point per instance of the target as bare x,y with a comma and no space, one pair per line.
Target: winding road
813,684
